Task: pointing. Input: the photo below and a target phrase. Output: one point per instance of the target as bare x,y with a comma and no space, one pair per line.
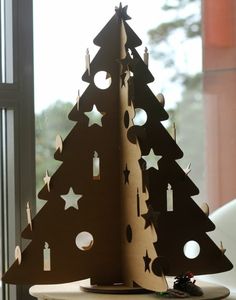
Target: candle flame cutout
87,61
29,219
59,143
18,255
146,56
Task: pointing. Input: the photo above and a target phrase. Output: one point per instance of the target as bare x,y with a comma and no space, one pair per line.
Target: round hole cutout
191,249
126,119
129,233
84,241
140,117
102,80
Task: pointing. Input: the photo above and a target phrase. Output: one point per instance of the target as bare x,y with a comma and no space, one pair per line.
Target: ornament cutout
71,199
151,160
102,80
95,116
191,249
84,241
140,117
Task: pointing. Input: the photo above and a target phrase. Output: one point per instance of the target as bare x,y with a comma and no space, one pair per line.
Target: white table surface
71,291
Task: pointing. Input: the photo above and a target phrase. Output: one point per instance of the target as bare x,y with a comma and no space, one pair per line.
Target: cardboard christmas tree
113,214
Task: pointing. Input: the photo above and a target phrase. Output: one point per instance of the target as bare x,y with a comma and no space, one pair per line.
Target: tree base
113,289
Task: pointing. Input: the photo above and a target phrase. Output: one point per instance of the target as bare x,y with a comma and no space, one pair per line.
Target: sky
64,29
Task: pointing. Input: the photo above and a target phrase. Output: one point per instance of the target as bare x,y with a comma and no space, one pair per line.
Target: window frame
17,102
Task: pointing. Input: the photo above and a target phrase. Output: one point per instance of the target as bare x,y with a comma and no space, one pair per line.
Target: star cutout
71,199
126,174
126,62
151,217
122,77
122,12
95,116
47,180
151,160
147,261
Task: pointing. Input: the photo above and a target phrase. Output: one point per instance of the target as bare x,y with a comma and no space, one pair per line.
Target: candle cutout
96,166
47,180
87,61
46,258
28,212
174,131
223,250
77,100
146,56
205,208
138,203
59,143
169,198
187,170
18,255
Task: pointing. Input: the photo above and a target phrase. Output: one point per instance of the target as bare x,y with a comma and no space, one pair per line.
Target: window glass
6,41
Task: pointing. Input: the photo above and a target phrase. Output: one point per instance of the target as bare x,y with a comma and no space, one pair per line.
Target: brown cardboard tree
107,216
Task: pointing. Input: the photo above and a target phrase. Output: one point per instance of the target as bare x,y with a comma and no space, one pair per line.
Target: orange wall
219,67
